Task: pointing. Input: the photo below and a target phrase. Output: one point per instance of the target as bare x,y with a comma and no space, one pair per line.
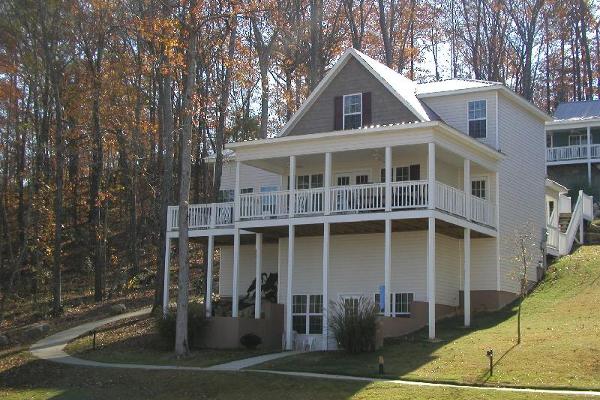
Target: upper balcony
337,200
570,153
572,142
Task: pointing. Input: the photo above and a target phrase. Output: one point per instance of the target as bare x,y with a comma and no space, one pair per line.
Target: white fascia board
555,186
572,124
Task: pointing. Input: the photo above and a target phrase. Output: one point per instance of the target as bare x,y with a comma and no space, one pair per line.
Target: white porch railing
553,238
566,153
450,199
588,206
409,194
309,201
354,198
202,215
595,150
264,205
483,211
342,199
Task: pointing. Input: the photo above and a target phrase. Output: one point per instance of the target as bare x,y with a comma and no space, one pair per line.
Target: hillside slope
560,348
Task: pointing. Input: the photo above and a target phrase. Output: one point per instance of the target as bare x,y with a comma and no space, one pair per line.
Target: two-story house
409,194
573,144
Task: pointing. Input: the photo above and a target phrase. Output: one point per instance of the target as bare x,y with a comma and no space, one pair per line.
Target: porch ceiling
366,227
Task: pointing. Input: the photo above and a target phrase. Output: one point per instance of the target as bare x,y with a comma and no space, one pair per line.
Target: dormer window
352,111
477,116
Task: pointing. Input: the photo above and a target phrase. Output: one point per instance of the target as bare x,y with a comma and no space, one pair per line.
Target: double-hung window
578,139
307,313
479,187
353,111
477,117
400,303
226,195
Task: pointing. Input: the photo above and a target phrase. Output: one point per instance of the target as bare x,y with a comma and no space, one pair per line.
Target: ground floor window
307,313
400,302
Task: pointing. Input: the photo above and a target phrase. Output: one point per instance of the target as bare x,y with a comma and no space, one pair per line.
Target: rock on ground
37,330
3,340
118,309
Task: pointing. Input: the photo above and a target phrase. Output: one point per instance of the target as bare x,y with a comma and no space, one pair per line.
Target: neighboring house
573,145
409,194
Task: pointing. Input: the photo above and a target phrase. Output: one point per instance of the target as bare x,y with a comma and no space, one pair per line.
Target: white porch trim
431,276
258,277
288,297
210,251
467,276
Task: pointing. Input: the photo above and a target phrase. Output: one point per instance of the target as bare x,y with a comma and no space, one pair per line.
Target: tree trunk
181,328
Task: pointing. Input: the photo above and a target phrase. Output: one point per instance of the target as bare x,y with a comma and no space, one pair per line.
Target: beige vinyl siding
522,184
483,263
352,78
452,109
250,177
357,266
247,266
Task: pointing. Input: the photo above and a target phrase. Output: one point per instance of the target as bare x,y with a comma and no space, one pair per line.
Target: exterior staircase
571,227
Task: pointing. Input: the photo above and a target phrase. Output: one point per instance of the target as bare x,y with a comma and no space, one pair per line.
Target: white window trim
478,119
308,314
394,177
487,185
393,311
354,113
352,174
582,136
310,180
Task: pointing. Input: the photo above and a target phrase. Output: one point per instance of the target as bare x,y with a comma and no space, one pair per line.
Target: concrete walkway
52,349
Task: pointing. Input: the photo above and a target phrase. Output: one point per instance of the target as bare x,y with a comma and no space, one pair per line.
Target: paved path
52,348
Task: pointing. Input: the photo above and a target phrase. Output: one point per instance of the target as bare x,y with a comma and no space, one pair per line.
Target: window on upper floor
309,181
479,187
352,111
226,195
549,140
578,139
477,117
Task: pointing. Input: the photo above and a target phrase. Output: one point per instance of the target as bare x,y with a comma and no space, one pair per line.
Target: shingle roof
578,110
450,85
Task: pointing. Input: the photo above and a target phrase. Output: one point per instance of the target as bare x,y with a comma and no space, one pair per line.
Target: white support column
431,276
467,277
210,252
327,184
292,184
235,301
166,275
388,267
467,187
388,179
431,174
288,295
589,155
326,232
236,204
258,289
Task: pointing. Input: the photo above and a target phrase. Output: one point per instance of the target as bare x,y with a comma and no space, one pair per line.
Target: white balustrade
450,199
595,151
409,194
354,198
553,237
309,201
483,211
566,153
201,215
264,205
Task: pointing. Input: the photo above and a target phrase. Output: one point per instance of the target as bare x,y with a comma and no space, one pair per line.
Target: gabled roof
577,110
401,87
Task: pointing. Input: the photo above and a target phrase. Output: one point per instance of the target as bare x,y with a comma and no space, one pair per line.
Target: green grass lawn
136,341
560,347
22,377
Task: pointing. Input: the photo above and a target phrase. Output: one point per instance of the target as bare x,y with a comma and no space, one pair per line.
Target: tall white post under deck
388,267
288,297
388,181
431,276
166,276
326,232
589,155
467,276
236,271
258,288
209,272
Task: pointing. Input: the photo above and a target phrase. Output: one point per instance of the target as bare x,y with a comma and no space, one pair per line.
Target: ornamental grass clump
354,324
